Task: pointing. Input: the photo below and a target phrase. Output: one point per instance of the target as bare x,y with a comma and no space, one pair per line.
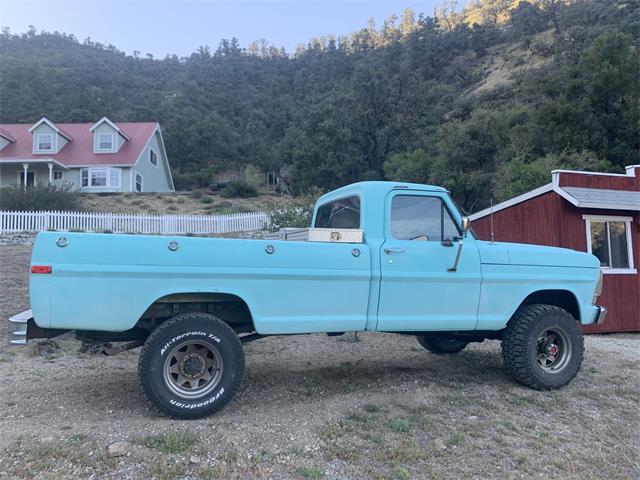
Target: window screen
343,213
421,218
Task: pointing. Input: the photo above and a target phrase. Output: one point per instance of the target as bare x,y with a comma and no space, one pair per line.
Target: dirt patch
319,407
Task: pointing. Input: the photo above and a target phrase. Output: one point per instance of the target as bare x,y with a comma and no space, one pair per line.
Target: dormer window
45,142
106,141
107,136
47,137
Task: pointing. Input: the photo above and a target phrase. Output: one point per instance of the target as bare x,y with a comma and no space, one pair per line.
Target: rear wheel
543,347
191,366
441,345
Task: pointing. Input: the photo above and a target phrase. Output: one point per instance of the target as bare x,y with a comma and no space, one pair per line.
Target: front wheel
543,347
441,345
191,366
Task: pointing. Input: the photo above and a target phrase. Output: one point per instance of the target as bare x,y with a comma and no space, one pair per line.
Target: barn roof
581,197
604,198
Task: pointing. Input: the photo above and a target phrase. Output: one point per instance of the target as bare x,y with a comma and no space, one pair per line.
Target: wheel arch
561,298
231,307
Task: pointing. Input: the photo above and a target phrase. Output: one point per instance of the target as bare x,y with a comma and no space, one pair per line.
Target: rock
439,445
117,449
46,348
193,459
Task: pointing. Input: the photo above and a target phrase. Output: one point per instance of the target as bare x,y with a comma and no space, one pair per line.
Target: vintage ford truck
379,257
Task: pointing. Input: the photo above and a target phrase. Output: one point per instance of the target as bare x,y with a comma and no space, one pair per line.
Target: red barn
593,212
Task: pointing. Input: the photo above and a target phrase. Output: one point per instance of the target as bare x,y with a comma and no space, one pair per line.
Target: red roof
7,135
79,151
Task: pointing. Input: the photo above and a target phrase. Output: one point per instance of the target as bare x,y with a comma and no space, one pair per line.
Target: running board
17,328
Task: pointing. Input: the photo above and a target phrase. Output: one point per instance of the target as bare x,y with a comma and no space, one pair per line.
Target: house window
609,239
138,182
105,141
44,142
100,177
153,158
57,175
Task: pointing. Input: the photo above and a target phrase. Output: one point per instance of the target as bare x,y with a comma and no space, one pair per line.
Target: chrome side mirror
465,224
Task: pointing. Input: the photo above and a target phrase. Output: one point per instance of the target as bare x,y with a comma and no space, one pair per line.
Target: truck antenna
491,214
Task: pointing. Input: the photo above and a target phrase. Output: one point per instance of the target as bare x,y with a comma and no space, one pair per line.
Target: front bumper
17,328
602,313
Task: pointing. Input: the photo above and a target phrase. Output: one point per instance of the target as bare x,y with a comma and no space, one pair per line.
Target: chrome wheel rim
192,369
553,350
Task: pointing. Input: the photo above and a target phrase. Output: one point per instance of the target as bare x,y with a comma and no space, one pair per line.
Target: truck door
417,292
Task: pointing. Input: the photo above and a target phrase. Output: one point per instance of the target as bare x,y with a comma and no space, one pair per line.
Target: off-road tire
441,345
520,346
210,333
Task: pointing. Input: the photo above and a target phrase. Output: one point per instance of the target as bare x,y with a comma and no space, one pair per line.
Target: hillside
485,102
199,203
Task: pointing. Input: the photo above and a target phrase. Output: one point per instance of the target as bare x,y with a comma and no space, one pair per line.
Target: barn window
609,239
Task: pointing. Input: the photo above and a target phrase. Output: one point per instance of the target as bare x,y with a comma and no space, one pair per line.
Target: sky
163,27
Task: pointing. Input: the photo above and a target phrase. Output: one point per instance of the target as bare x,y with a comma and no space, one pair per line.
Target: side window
343,213
609,240
421,218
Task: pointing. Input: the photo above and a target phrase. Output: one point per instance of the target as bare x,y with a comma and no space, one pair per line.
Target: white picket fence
126,223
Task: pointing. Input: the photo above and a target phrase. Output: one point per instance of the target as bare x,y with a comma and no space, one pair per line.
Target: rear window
343,213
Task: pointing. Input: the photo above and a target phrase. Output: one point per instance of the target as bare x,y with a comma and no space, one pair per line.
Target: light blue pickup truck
379,257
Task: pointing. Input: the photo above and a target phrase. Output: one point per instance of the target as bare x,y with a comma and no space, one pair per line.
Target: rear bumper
22,327
17,328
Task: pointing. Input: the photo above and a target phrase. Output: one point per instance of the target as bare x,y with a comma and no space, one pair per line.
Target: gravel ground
375,406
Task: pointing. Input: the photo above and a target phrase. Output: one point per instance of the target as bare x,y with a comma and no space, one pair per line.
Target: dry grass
316,407
202,202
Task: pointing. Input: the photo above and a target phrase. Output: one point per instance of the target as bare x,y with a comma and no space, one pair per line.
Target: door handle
389,251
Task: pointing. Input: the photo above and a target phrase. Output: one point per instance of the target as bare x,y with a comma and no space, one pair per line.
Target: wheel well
559,298
228,307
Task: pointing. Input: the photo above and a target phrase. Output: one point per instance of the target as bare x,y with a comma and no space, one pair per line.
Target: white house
93,157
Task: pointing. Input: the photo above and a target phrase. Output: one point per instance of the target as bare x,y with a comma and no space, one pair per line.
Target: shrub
206,199
297,214
40,197
254,176
239,189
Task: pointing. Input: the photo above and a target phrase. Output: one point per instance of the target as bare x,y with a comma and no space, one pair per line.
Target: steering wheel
426,237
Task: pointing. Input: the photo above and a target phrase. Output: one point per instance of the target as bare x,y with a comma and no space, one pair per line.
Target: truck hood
523,254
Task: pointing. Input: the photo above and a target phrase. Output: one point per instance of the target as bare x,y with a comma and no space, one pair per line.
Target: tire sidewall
554,321
201,330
